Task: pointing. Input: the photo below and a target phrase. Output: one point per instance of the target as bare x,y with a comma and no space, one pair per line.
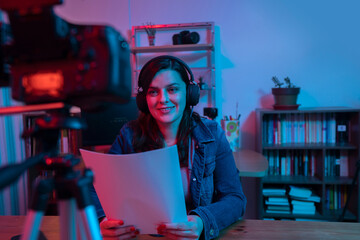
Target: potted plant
285,97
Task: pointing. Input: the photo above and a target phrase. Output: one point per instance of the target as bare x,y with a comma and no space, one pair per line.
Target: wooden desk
244,230
250,163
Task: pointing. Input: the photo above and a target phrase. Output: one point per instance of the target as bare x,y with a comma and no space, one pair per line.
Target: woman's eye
172,89
152,93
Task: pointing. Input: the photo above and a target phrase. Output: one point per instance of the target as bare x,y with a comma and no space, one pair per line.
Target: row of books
304,162
336,163
295,200
336,196
291,162
304,128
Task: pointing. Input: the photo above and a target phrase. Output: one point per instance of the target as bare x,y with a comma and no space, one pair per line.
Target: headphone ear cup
141,102
192,94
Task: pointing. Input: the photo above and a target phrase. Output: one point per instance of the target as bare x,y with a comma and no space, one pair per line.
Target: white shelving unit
200,57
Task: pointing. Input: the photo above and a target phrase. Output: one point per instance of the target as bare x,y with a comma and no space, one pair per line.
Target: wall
315,43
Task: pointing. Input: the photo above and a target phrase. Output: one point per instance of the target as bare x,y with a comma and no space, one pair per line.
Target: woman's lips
165,109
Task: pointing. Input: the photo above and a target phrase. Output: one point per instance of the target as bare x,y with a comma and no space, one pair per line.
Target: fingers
186,230
172,234
111,223
113,232
129,235
115,229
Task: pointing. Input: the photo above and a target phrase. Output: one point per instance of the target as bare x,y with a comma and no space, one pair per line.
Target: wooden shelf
310,124
317,215
337,180
291,180
173,48
335,146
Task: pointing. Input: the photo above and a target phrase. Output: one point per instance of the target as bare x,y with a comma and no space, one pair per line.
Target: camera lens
194,38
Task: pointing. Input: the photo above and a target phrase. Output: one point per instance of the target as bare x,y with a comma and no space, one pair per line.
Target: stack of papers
142,189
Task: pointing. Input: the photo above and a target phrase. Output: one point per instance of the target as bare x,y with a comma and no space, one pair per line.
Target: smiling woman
213,193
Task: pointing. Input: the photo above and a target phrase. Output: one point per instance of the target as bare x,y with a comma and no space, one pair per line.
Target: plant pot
285,96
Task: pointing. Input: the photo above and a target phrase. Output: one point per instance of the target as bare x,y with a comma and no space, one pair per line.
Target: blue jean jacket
215,187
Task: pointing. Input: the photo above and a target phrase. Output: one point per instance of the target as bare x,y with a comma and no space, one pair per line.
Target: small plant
279,84
150,30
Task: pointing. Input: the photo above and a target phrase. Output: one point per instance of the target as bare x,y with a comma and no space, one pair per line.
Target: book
299,192
274,192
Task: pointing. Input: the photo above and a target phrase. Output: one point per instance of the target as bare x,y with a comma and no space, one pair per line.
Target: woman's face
166,97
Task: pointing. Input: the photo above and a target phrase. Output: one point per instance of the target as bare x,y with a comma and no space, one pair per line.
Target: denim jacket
215,187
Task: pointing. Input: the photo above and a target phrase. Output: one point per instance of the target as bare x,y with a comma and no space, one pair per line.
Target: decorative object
150,30
232,133
285,97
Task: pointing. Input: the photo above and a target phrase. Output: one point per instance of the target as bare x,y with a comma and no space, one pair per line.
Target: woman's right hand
115,229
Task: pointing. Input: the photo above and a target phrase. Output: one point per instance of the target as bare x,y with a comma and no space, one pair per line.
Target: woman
213,192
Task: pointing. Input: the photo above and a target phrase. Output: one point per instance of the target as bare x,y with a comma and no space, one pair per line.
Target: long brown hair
147,135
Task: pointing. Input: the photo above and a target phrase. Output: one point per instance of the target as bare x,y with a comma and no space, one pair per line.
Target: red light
48,161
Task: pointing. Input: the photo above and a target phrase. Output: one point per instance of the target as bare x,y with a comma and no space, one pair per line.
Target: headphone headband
181,62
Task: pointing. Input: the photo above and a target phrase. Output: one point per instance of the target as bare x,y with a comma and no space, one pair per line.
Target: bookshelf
312,148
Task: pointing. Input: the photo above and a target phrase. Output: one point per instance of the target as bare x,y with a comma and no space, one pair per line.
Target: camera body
52,60
186,37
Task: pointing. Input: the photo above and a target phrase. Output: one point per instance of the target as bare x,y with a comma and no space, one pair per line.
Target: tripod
72,193
71,187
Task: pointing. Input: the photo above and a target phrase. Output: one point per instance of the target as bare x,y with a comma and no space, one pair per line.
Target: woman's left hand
185,230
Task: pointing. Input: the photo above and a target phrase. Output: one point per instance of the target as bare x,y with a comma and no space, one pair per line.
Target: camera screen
44,84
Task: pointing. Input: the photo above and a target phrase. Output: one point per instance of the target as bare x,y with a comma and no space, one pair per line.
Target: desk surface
245,229
250,163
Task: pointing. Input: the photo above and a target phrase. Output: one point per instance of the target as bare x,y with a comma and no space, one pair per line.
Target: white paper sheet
142,189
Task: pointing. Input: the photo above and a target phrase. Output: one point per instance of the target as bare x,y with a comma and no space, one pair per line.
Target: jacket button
197,146
211,232
194,179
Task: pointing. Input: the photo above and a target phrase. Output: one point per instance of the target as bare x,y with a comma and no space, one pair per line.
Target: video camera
52,60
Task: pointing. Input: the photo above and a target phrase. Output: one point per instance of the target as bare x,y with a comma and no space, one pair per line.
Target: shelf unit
200,57
310,140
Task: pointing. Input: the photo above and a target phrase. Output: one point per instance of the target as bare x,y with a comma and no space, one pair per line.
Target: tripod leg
67,213
86,207
37,209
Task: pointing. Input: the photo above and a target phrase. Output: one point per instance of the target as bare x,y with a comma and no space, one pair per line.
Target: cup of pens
231,127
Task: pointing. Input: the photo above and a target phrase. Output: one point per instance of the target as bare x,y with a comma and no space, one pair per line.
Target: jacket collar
202,133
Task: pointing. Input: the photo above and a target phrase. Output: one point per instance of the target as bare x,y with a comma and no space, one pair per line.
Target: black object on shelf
211,112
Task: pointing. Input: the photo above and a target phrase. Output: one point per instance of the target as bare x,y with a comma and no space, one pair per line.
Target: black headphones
192,89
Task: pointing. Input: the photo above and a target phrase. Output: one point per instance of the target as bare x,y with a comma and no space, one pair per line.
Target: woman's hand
186,230
115,229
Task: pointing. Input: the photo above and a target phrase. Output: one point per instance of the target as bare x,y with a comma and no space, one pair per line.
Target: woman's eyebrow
169,85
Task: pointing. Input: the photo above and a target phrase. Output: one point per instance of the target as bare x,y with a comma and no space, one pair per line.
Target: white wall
315,43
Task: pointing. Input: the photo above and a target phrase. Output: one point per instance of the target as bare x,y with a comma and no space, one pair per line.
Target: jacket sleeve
229,201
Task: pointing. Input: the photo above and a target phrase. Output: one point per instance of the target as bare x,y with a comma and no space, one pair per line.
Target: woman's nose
164,97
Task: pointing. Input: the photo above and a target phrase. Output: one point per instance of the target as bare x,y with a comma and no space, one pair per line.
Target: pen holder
232,132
